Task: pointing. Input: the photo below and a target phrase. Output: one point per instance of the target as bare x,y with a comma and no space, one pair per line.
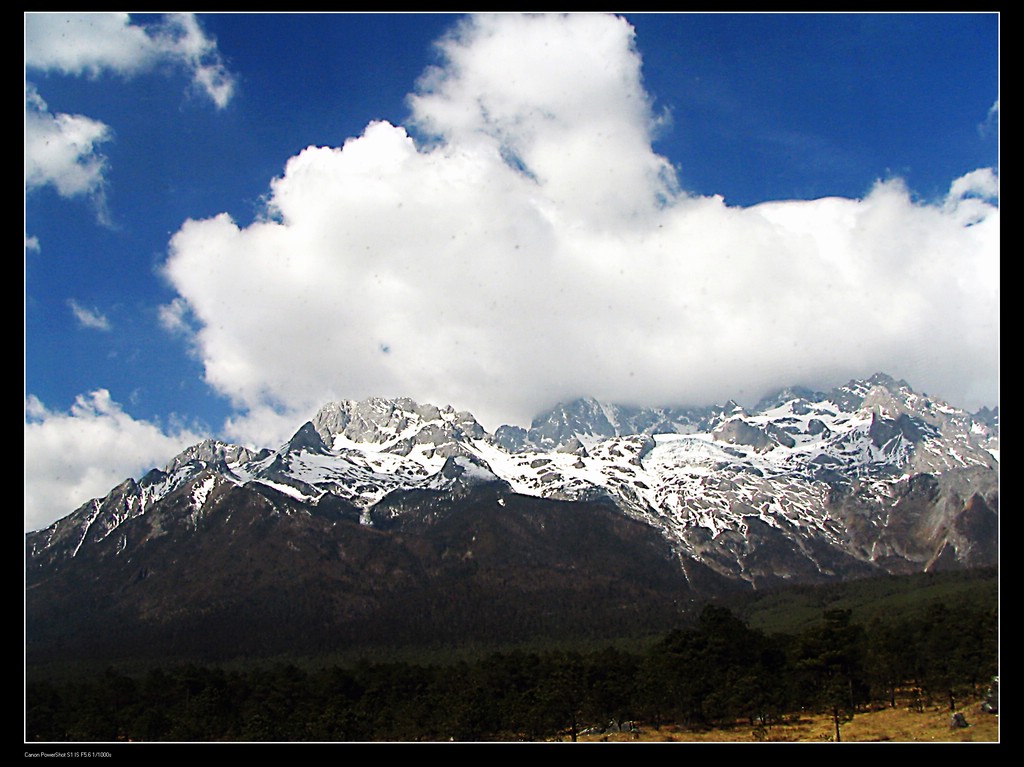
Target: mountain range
387,521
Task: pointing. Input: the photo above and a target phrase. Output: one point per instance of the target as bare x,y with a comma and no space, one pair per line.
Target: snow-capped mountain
870,477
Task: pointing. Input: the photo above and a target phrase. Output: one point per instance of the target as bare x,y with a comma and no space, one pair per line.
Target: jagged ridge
805,485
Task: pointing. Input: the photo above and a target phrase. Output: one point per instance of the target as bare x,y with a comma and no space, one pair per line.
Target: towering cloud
530,245
515,241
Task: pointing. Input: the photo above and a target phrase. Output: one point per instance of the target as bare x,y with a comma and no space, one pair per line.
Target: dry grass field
896,725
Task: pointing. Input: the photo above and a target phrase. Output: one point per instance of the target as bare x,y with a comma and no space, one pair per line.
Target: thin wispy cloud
89,318
90,44
174,317
990,126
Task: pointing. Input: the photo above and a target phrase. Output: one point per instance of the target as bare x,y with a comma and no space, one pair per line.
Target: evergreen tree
831,658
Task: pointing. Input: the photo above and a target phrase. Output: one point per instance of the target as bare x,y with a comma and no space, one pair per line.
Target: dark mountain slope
258,575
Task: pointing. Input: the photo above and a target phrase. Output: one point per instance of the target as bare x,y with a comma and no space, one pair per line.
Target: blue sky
661,209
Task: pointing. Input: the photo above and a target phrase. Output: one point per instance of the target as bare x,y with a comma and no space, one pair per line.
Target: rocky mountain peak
378,420
468,471
810,475
211,451
308,439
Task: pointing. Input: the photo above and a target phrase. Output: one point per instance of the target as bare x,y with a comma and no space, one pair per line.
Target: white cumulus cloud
73,456
982,184
62,150
534,247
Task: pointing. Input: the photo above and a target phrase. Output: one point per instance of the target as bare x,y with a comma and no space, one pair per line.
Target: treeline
719,671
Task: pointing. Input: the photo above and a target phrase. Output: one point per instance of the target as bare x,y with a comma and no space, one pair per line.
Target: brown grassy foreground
897,725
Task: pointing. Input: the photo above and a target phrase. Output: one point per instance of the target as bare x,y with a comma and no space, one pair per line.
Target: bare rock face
402,421
514,439
924,522
736,431
307,439
563,423
211,451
